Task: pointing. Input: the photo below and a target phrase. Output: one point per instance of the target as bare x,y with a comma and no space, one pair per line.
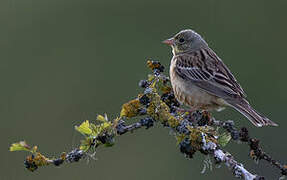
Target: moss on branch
195,132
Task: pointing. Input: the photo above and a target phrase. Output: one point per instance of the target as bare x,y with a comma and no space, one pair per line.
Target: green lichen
130,109
103,131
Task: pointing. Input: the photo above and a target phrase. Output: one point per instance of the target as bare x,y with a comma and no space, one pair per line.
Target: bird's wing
204,69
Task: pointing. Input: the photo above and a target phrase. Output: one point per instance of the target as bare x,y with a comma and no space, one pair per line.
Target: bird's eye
181,40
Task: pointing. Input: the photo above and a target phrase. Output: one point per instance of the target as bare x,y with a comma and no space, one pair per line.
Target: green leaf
84,128
224,138
102,118
105,125
85,144
20,146
95,129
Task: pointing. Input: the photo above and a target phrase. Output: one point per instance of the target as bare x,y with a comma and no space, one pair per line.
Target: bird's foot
206,114
182,110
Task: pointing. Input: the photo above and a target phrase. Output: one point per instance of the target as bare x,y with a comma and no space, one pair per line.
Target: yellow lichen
179,138
63,156
130,109
196,136
38,159
152,65
165,89
155,108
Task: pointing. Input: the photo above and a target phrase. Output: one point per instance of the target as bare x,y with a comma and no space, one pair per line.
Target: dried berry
30,165
75,155
106,139
234,135
58,162
144,100
186,148
170,100
143,83
228,125
182,127
155,65
203,121
243,134
147,122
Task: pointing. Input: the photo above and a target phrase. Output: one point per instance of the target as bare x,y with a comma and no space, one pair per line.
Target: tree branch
196,131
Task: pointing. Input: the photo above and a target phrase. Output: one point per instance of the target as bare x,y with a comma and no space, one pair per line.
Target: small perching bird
202,81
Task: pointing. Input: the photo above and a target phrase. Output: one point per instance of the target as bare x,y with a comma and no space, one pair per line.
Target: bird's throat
175,50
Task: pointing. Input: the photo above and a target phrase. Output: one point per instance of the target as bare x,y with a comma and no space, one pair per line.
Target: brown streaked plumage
202,81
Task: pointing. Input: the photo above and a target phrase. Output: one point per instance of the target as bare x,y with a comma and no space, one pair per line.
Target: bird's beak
169,41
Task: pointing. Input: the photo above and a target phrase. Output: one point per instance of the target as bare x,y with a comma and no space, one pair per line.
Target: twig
256,152
193,131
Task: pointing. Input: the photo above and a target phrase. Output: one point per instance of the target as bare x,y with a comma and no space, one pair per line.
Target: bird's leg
182,110
206,114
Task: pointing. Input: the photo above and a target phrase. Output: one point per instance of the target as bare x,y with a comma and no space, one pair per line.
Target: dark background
63,61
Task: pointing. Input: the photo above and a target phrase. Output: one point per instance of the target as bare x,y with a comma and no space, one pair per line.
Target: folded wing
204,69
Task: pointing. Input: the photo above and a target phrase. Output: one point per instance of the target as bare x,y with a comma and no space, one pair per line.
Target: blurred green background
63,61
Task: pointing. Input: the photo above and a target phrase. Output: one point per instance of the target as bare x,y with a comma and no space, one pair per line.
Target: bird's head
185,41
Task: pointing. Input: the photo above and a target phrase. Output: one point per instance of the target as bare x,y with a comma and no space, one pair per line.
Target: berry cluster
144,100
182,127
75,155
122,128
106,138
144,83
30,163
186,148
147,122
229,126
156,67
170,100
58,162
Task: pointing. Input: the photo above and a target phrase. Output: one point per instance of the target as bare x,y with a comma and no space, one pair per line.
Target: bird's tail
251,114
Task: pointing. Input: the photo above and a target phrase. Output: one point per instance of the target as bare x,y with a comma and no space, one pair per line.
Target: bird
201,81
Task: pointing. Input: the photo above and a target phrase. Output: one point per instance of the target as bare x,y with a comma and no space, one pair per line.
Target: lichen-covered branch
196,131
237,168
256,152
